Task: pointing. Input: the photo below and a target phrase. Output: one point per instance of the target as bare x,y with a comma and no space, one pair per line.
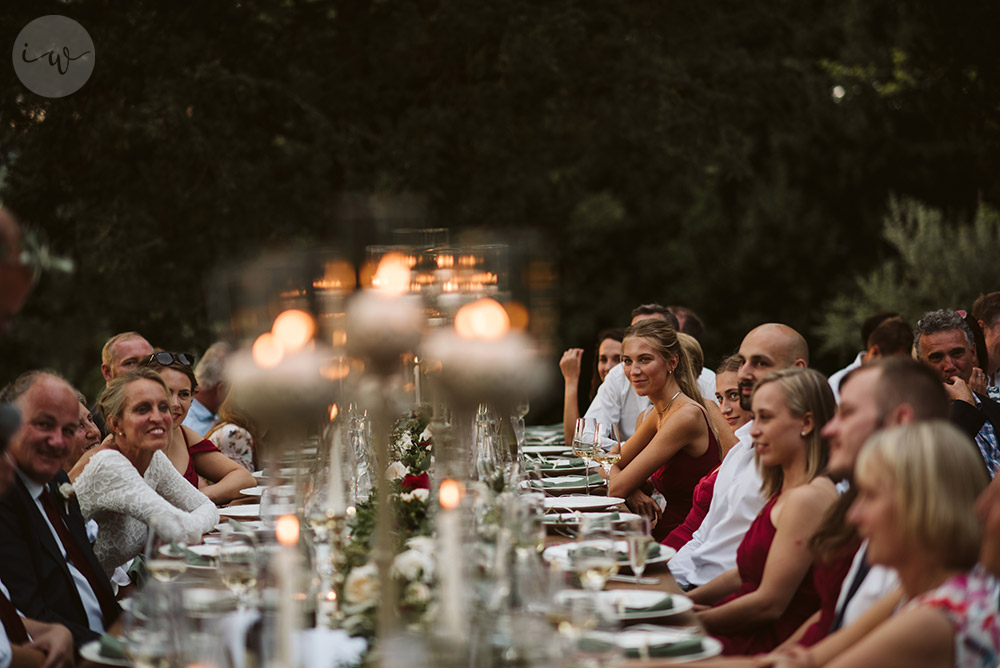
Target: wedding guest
770,593
609,354
737,498
986,311
194,457
676,444
728,397
122,352
945,343
128,483
87,435
210,376
616,402
237,433
45,557
867,327
689,323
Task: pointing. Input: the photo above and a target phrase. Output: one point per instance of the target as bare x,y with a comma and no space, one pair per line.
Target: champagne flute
594,557
639,541
585,440
608,449
148,628
238,564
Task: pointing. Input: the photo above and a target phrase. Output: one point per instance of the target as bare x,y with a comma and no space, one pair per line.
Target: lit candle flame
393,275
333,412
482,319
450,494
286,529
293,329
267,351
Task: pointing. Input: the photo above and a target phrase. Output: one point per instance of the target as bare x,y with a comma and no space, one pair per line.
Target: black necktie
859,577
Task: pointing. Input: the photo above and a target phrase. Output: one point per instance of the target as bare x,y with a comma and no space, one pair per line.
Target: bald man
712,549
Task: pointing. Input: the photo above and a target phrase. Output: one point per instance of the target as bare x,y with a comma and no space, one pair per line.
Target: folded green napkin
652,553
137,571
195,559
665,604
595,479
682,648
112,647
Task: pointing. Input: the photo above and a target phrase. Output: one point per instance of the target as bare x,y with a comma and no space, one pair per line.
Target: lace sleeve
236,443
201,514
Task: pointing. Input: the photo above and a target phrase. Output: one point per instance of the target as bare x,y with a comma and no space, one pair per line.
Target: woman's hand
644,505
569,365
793,657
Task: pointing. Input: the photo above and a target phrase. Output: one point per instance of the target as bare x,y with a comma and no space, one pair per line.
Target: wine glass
608,448
165,554
522,408
148,628
239,565
594,557
637,535
585,440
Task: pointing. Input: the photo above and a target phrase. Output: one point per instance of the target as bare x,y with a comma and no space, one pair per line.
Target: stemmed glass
239,564
585,440
608,448
636,532
594,557
149,628
166,558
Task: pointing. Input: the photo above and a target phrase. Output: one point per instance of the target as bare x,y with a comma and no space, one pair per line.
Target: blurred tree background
737,158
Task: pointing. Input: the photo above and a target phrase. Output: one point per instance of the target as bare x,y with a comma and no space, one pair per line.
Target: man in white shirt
616,401
737,499
867,327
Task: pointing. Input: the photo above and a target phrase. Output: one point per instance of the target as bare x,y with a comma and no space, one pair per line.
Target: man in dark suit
944,341
45,557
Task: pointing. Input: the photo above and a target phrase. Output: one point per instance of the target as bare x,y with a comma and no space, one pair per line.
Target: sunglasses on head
165,359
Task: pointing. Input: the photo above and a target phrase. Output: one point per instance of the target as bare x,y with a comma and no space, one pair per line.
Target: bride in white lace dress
128,482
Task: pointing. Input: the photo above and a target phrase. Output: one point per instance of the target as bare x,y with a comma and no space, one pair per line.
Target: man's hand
958,390
977,381
54,641
569,365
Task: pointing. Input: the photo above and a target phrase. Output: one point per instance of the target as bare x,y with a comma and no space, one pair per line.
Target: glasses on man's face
166,359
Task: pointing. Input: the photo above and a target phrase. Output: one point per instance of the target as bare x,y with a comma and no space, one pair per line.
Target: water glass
239,564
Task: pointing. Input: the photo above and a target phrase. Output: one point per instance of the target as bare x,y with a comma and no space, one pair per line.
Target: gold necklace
669,403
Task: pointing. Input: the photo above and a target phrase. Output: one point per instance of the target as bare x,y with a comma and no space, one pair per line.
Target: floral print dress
236,443
969,601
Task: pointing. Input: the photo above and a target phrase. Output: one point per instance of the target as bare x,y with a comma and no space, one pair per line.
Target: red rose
412,482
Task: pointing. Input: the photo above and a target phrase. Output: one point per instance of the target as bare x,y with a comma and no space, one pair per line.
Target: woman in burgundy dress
194,457
770,592
676,444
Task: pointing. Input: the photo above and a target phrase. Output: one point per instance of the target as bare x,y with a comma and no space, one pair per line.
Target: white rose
405,441
406,497
410,564
66,491
422,544
425,435
418,592
361,587
396,471
421,494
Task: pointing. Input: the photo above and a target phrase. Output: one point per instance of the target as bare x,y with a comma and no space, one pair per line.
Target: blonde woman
770,592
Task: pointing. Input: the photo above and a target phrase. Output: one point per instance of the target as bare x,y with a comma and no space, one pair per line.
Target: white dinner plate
253,491
565,467
252,525
637,637
257,474
205,550
582,503
91,651
545,449
562,551
251,510
563,484
572,520
619,599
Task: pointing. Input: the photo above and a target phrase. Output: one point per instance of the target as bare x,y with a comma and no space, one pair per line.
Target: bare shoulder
811,499
191,435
